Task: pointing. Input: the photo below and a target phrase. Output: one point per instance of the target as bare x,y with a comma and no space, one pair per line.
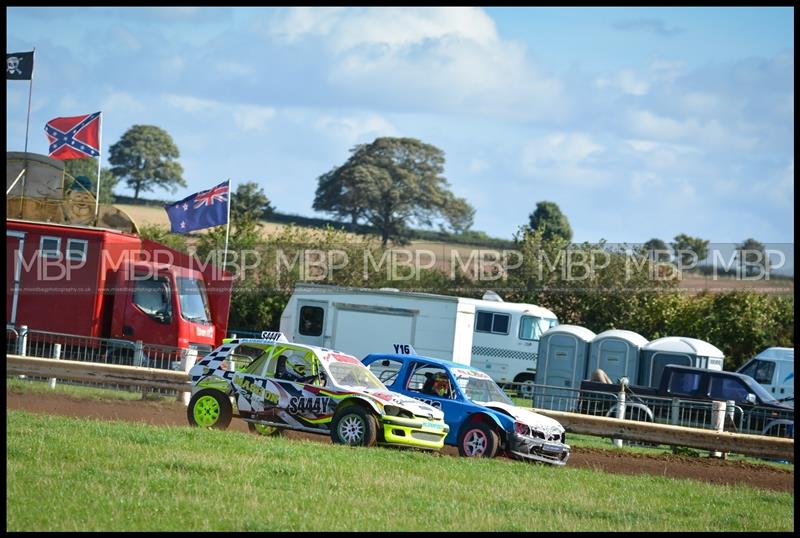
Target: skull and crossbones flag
19,65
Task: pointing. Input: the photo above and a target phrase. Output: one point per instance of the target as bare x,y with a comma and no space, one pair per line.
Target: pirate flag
19,65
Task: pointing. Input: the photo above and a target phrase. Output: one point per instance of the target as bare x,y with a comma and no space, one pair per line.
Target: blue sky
638,122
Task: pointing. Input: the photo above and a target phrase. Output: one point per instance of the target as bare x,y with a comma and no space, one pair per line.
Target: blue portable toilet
616,352
676,350
563,355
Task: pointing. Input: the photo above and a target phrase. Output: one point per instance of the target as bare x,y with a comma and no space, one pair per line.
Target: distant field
118,476
426,251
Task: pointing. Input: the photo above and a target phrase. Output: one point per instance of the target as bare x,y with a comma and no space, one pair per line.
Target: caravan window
311,318
532,328
492,322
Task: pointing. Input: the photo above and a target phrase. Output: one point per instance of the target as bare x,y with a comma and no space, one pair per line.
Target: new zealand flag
201,210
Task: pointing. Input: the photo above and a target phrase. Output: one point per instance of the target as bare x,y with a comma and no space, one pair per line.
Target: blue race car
483,421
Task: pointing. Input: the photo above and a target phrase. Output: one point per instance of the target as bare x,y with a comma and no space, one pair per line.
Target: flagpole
228,227
99,162
27,126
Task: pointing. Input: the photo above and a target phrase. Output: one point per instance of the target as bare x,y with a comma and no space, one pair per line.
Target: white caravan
498,337
774,369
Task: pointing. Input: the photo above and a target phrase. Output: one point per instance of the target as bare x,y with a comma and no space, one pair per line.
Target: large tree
684,245
87,168
548,219
250,201
390,183
145,157
656,250
752,257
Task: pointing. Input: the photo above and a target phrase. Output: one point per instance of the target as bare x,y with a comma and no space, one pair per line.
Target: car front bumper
533,448
415,432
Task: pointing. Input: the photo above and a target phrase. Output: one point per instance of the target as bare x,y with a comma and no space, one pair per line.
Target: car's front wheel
478,441
354,426
210,408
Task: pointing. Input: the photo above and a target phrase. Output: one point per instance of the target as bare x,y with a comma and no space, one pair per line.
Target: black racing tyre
261,429
354,426
210,408
477,440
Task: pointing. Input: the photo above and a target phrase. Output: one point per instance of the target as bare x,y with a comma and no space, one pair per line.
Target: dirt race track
174,414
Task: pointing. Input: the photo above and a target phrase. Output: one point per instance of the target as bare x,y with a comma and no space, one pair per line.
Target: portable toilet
676,350
616,352
563,355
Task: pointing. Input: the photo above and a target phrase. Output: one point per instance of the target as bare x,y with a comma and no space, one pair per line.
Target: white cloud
691,131
354,129
389,27
640,82
644,183
252,118
444,59
477,165
562,148
245,117
626,80
780,189
187,103
121,102
564,157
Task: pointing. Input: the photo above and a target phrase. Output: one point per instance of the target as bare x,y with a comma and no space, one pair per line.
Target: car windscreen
761,392
482,391
194,302
353,375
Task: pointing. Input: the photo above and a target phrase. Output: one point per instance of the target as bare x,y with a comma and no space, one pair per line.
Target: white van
498,337
774,369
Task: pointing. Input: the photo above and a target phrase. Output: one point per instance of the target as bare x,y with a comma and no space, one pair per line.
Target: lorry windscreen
532,327
193,299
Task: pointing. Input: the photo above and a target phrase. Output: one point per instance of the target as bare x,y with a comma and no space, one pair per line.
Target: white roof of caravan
581,332
683,344
629,336
781,353
332,289
497,306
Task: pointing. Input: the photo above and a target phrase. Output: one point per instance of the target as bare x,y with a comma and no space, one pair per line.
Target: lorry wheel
210,408
478,441
261,429
524,384
354,426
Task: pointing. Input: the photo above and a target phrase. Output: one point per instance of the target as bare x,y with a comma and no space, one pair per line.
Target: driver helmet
441,385
297,369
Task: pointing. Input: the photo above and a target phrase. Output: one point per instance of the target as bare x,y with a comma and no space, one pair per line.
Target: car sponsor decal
463,372
254,386
432,403
303,404
341,357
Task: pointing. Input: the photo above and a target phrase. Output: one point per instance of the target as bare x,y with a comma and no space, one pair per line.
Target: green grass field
70,474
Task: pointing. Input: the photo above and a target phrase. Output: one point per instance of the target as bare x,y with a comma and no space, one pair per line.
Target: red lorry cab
105,283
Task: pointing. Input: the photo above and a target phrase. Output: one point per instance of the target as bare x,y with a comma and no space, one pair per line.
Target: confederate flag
76,137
